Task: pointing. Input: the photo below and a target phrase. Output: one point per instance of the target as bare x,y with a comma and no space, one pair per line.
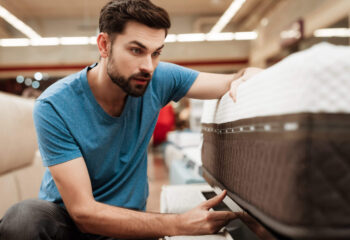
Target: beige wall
195,52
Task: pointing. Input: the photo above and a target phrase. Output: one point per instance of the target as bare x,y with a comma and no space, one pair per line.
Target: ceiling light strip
18,24
227,16
201,37
15,42
332,32
52,41
190,37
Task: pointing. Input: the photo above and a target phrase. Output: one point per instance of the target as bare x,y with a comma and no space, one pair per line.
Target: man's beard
124,83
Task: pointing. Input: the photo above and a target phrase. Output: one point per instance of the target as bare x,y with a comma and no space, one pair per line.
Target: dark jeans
36,219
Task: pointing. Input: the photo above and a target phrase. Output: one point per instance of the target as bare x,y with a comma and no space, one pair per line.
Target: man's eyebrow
160,47
143,46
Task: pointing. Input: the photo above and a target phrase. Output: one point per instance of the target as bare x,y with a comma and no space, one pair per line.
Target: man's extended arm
73,182
214,86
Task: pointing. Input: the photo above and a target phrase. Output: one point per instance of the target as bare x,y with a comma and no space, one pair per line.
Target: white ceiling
68,17
81,8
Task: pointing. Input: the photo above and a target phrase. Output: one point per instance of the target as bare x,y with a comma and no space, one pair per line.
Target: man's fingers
226,215
232,93
233,89
217,227
214,201
222,216
222,220
239,77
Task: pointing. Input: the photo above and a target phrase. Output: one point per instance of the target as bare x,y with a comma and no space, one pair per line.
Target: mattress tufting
283,150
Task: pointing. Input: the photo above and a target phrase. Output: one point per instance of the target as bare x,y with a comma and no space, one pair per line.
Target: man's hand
243,75
200,220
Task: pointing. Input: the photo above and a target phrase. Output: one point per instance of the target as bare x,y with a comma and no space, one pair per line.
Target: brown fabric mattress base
297,232
290,171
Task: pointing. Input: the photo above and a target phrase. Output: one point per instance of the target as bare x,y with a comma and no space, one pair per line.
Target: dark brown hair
115,14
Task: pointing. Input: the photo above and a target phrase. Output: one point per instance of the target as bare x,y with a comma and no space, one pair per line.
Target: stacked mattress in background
283,149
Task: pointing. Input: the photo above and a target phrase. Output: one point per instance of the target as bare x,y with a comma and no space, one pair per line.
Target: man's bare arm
73,182
214,86
210,86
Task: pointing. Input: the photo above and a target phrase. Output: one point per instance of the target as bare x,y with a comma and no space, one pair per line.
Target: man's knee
29,219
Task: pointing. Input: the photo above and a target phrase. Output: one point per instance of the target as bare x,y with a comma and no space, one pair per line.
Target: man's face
133,57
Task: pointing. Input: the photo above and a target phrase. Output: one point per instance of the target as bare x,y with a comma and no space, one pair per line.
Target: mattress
283,149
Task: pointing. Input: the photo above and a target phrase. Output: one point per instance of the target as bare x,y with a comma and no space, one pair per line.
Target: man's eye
156,54
136,50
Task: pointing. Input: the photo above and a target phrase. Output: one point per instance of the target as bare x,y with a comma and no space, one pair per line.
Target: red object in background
11,86
165,123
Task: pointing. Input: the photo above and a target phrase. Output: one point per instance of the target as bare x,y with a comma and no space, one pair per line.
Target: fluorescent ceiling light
74,40
45,41
93,40
225,36
228,36
332,32
245,35
18,24
14,42
171,38
191,37
227,16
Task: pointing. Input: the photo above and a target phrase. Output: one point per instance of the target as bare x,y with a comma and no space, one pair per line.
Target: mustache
141,75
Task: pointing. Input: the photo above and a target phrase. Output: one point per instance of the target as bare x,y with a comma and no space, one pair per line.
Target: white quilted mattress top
315,80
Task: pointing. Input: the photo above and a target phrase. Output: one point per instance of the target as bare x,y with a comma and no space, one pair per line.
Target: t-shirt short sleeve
172,82
56,144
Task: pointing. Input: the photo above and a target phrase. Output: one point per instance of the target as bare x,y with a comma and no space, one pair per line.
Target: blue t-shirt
71,124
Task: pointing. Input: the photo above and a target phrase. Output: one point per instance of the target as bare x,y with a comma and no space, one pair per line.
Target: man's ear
103,44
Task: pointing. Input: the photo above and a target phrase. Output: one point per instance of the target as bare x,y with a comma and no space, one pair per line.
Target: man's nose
147,65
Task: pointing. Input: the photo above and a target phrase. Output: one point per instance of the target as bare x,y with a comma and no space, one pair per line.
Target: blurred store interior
43,41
